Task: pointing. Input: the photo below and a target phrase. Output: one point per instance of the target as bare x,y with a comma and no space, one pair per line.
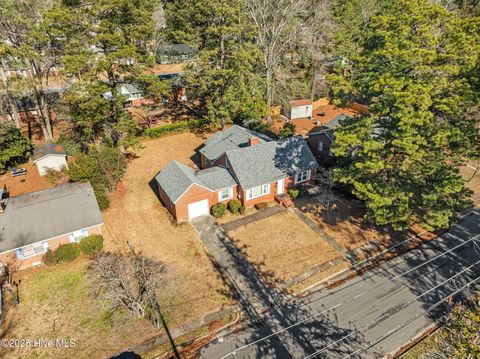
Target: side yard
342,220
471,174
57,303
136,215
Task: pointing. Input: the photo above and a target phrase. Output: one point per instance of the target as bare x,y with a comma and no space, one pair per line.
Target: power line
373,323
405,323
343,302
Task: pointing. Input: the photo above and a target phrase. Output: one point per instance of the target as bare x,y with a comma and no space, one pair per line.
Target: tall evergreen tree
403,159
225,80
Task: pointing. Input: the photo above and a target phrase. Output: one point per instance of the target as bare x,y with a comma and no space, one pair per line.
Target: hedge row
172,128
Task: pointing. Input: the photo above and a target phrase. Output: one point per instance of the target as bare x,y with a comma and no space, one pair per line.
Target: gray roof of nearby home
176,49
125,89
270,161
49,149
38,216
232,138
335,122
176,178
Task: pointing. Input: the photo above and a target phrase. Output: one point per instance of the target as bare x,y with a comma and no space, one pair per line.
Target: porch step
285,200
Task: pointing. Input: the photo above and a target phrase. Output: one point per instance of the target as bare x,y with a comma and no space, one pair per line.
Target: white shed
50,156
298,109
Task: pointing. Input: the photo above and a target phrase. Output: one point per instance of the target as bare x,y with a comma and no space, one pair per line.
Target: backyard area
281,246
31,181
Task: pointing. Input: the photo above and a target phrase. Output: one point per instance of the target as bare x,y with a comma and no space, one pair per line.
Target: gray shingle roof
38,216
176,178
270,161
230,139
49,149
215,178
335,122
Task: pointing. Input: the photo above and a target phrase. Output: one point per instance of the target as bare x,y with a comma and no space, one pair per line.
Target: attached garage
188,194
197,209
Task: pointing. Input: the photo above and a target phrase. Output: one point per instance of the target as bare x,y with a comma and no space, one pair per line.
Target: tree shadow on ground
269,311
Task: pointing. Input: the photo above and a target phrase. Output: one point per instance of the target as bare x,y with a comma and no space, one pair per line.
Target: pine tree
403,159
225,80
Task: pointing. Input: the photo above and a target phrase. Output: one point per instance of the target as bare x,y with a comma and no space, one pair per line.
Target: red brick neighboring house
259,170
32,223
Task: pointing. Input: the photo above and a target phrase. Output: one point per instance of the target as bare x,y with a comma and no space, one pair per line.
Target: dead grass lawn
56,302
281,247
138,216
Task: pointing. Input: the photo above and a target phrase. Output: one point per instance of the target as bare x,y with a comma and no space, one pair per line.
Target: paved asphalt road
369,316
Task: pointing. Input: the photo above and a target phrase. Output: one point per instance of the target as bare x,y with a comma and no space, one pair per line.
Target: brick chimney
254,141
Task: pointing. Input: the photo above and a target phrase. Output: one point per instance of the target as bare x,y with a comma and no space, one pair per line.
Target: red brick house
32,223
259,170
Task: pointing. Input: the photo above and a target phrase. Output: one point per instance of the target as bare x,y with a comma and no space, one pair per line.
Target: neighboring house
32,223
175,53
320,138
134,97
318,129
213,150
177,85
298,109
50,156
253,170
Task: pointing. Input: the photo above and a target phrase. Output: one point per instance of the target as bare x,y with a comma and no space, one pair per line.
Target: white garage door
198,209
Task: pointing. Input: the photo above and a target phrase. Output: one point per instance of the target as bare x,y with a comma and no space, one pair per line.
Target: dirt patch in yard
57,303
137,215
29,182
343,221
281,246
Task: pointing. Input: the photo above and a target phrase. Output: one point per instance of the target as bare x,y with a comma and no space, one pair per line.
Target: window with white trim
31,250
258,191
78,235
302,176
225,194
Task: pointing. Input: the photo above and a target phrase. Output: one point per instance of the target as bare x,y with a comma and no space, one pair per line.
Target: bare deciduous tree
278,28
284,26
130,281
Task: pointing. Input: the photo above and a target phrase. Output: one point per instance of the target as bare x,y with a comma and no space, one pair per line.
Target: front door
281,186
